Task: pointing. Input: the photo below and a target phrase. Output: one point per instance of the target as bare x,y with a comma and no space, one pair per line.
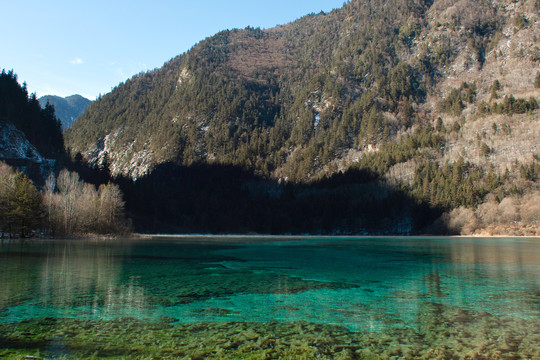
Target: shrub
508,210
462,221
530,209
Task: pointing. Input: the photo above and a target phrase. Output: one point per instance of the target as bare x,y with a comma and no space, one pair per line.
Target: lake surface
266,297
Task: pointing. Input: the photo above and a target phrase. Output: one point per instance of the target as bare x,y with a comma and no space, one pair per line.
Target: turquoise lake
309,297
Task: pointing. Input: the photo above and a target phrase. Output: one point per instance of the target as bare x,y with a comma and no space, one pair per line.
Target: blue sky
87,47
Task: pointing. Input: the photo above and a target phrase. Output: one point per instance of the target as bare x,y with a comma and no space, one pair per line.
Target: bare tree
508,210
48,192
77,207
530,209
111,209
462,221
87,208
487,212
70,189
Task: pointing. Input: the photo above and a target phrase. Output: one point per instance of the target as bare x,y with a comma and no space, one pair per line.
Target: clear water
366,285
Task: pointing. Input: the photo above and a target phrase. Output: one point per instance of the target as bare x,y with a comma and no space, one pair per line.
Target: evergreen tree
26,213
21,208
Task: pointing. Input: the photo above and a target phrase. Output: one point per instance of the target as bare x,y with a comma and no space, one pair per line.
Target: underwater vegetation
201,284
442,333
362,299
100,277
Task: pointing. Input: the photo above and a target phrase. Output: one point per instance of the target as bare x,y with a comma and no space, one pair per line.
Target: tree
111,208
7,186
21,208
401,81
496,86
87,208
484,150
48,191
78,208
70,189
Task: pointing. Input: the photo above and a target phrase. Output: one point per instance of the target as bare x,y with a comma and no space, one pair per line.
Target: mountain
436,99
67,109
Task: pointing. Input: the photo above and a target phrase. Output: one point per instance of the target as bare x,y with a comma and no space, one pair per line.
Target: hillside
30,137
16,150
67,109
436,99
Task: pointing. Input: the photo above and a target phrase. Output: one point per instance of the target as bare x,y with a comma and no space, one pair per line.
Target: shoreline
240,238
292,237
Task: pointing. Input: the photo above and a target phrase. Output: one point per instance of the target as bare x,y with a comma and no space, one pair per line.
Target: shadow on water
226,199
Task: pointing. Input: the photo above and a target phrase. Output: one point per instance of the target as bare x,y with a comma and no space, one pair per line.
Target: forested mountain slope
438,98
40,126
30,136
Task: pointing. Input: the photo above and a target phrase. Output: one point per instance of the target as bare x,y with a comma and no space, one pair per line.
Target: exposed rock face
17,151
14,144
125,162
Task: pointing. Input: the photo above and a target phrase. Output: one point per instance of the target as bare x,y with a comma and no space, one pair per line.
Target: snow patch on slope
17,151
126,162
15,145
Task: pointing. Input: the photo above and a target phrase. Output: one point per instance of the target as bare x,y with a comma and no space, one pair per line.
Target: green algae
200,274
443,333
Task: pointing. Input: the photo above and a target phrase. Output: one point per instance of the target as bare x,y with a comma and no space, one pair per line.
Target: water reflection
68,275
362,284
501,275
17,277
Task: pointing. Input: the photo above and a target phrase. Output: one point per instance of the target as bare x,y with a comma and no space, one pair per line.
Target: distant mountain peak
68,108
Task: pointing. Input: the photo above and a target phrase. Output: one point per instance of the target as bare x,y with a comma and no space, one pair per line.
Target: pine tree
24,206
